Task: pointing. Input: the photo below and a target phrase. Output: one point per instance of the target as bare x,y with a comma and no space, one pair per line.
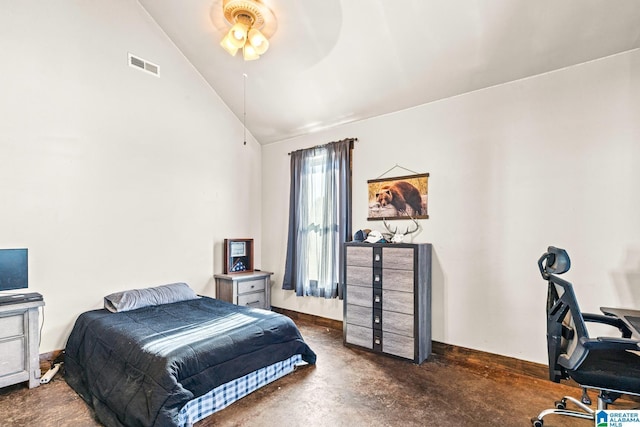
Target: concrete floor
347,387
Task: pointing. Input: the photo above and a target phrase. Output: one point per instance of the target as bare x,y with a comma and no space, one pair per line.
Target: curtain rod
322,145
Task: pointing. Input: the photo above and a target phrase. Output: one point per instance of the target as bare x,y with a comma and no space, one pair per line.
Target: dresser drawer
359,256
397,258
397,323
358,315
12,356
255,300
398,345
247,286
360,295
359,335
12,325
400,302
399,280
362,276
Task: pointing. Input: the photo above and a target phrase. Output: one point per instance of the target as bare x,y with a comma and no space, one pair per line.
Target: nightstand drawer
250,286
255,300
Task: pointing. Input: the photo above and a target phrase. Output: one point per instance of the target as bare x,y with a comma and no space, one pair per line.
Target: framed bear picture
402,197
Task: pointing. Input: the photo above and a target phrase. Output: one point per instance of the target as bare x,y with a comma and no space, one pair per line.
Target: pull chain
244,108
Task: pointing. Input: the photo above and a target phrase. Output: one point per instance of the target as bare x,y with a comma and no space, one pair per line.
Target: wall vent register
143,65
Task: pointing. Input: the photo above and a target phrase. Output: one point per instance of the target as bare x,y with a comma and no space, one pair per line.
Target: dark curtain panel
319,219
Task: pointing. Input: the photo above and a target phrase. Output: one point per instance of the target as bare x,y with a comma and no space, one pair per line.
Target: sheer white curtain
319,218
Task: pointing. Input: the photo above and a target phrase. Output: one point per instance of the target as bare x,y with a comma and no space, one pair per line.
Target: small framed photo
238,256
237,248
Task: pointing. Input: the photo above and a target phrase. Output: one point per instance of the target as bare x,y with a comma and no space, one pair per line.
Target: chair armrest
608,320
610,343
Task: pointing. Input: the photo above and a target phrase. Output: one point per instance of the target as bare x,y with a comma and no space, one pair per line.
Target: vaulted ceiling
337,61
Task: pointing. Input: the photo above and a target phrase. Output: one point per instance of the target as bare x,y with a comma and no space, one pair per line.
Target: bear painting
400,194
399,197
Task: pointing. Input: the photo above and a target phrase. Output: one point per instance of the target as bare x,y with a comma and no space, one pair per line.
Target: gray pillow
138,298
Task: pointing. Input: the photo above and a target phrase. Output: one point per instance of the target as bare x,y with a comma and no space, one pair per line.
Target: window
319,218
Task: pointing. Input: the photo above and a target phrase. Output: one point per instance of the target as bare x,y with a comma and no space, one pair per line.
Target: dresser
387,303
19,343
249,289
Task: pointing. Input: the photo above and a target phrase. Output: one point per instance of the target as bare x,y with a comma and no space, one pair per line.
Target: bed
174,363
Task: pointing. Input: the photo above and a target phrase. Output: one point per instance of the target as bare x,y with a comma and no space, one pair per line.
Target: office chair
603,363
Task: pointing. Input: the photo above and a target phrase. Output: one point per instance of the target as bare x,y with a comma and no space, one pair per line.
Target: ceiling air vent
143,65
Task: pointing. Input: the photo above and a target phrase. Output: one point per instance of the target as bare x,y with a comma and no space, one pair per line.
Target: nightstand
249,289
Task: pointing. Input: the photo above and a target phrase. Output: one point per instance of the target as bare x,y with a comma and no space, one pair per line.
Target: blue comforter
138,368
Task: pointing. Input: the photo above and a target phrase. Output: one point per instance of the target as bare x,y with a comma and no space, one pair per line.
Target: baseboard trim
485,362
474,359
47,359
310,318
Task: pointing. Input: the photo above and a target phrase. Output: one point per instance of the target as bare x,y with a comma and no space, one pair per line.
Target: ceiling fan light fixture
238,34
258,41
249,53
247,18
228,45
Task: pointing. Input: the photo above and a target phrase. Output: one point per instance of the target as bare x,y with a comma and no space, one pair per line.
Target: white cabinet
19,343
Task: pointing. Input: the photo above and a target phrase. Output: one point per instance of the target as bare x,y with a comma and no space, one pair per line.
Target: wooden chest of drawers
387,305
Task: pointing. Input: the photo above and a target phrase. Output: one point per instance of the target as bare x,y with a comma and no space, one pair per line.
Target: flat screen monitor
14,271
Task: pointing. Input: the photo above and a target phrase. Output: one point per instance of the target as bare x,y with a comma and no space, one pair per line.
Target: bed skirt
225,394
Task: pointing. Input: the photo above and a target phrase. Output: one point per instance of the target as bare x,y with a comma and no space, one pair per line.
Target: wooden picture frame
238,256
401,197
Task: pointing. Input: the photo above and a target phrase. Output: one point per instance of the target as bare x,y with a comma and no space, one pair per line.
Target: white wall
549,160
116,179
113,178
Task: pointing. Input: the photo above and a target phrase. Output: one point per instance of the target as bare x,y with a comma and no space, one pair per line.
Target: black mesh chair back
610,365
565,324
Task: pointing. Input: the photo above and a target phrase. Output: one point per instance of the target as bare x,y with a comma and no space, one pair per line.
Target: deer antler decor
399,237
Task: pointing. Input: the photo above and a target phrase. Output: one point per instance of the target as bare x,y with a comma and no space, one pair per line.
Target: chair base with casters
604,364
605,397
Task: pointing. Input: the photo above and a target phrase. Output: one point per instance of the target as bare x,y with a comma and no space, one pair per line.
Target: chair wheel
536,422
560,404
